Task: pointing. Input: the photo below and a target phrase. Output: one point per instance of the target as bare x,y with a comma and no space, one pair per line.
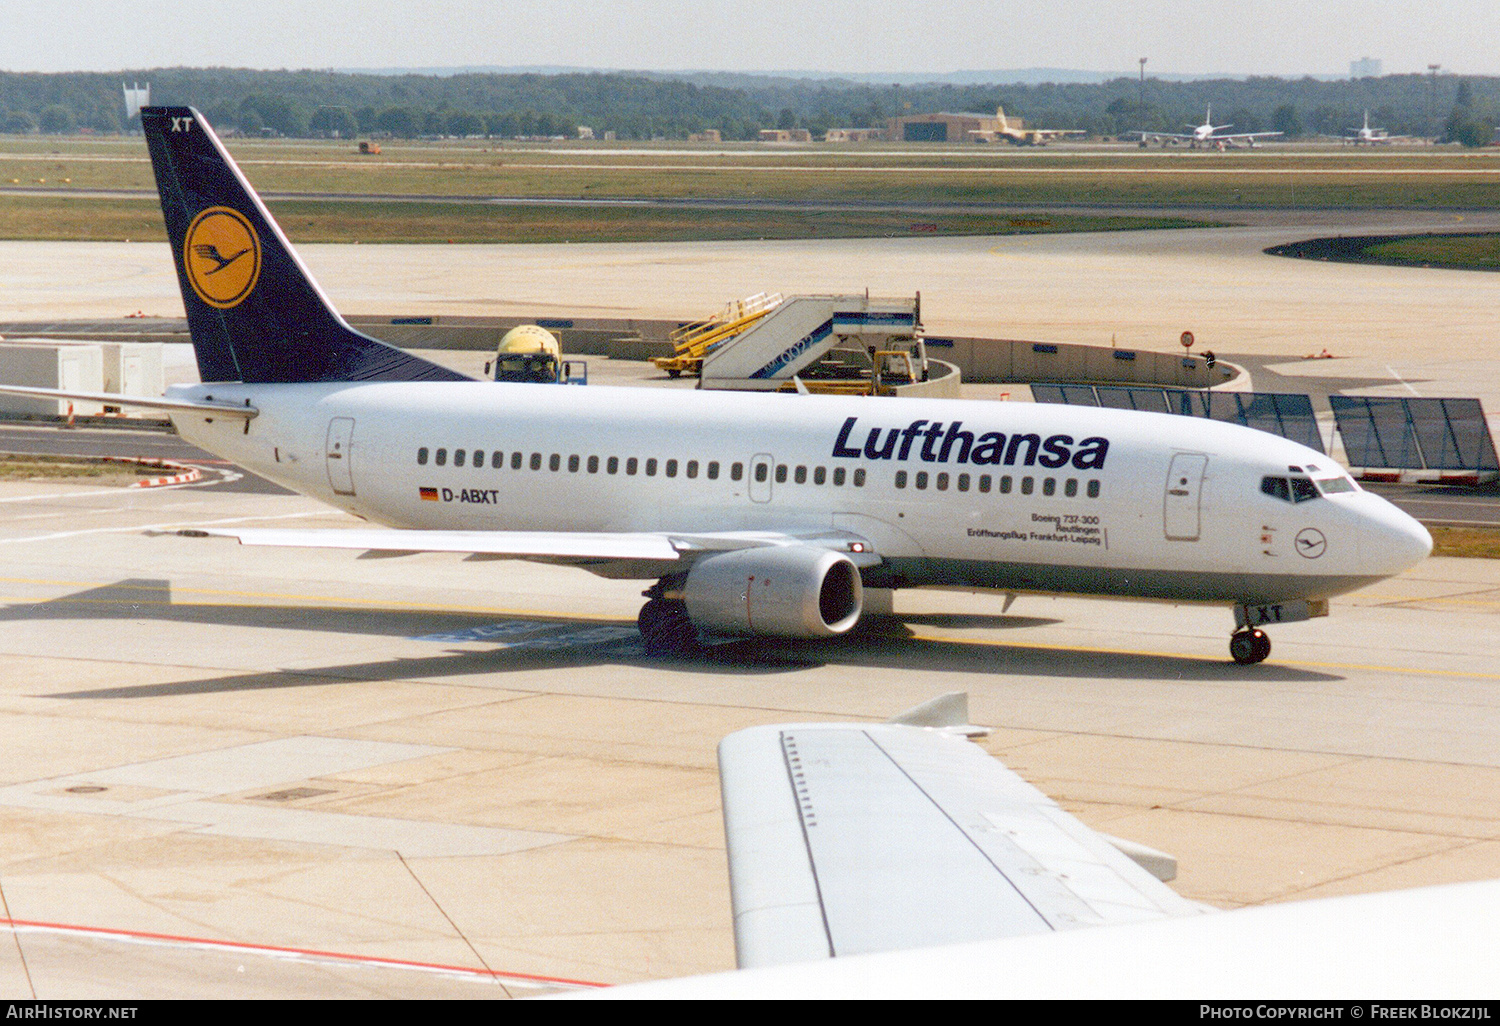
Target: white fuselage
1017,496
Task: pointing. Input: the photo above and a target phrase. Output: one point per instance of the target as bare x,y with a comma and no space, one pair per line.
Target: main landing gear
1249,646
666,629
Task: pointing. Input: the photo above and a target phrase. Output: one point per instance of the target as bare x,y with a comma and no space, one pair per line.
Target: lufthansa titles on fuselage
933,442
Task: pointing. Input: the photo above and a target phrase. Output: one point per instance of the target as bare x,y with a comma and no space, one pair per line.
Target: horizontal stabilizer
143,402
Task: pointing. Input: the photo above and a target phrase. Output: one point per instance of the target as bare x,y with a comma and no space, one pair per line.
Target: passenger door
1184,493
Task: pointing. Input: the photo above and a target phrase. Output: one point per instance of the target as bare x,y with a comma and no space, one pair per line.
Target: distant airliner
1207,134
754,514
1367,136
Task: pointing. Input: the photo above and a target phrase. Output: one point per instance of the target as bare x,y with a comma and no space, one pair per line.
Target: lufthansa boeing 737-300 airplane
754,514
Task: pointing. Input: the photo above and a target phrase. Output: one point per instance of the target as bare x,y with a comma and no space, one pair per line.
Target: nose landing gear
1249,646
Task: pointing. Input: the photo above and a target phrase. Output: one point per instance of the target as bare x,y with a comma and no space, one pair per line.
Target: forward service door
1182,516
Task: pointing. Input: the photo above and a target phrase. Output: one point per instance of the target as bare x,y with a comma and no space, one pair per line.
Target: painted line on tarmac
278,951
331,599
141,528
1420,672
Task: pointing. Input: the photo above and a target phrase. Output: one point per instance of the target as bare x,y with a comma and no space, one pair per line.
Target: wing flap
907,837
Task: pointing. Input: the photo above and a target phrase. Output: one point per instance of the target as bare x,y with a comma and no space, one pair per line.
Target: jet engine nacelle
789,591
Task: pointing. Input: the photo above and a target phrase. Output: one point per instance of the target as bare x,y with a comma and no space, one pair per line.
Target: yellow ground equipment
696,340
527,353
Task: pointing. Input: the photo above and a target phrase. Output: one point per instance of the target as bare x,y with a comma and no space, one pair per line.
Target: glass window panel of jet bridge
1453,433
1375,431
1115,398
1055,394
1152,400
1184,402
1298,421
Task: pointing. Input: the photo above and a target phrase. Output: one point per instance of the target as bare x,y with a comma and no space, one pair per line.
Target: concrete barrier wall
944,381
1001,361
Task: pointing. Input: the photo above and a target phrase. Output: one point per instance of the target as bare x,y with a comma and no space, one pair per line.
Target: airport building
947,127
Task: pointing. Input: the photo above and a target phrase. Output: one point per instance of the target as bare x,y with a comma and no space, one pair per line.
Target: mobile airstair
692,342
851,344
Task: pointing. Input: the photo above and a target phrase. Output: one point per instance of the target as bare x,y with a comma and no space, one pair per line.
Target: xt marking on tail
182,124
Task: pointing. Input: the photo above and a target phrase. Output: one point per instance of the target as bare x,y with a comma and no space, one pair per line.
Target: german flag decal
428,494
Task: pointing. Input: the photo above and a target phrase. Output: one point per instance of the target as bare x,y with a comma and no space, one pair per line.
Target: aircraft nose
1394,541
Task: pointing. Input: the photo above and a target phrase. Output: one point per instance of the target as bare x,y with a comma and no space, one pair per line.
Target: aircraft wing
851,839
1243,135
652,547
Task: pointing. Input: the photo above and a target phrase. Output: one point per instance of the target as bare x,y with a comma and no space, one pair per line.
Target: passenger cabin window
736,471
422,456
671,468
1004,484
900,479
713,471
1049,486
515,461
651,467
593,464
458,457
838,476
614,465
761,471
820,475
478,457
1093,489
631,465
801,475
1026,485
692,468
536,461
781,473
442,457
572,464
554,462
859,479
921,479
497,459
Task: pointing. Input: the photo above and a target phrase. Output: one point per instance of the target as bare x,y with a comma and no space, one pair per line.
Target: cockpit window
1289,489
1276,488
1334,485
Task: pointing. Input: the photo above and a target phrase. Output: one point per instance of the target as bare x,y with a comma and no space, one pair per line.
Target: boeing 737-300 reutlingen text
754,514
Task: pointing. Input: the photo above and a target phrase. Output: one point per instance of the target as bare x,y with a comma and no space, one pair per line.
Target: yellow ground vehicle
531,353
694,341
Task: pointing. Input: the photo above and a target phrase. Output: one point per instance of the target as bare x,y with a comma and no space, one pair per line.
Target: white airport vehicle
898,860
755,515
1367,136
1208,134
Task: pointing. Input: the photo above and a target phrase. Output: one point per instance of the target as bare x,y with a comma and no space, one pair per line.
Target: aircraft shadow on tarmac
550,642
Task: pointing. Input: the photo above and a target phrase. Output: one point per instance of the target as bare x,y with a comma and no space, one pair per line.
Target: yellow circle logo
222,257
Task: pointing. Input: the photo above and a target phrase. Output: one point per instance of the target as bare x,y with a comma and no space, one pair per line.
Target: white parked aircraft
1367,136
1207,134
754,514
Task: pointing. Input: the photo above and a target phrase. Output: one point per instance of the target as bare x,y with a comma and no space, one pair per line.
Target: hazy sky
1277,37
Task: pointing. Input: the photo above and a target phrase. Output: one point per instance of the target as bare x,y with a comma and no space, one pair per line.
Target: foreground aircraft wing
849,839
656,546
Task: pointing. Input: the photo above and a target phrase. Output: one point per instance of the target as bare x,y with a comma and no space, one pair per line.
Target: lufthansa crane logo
1310,543
222,257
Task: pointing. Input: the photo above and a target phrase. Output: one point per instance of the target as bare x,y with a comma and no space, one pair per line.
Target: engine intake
790,591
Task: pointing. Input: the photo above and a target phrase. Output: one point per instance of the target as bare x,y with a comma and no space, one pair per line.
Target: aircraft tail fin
254,311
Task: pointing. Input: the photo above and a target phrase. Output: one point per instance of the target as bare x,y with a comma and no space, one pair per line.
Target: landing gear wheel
1249,646
666,629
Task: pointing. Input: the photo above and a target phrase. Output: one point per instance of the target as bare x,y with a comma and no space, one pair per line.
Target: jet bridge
829,342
